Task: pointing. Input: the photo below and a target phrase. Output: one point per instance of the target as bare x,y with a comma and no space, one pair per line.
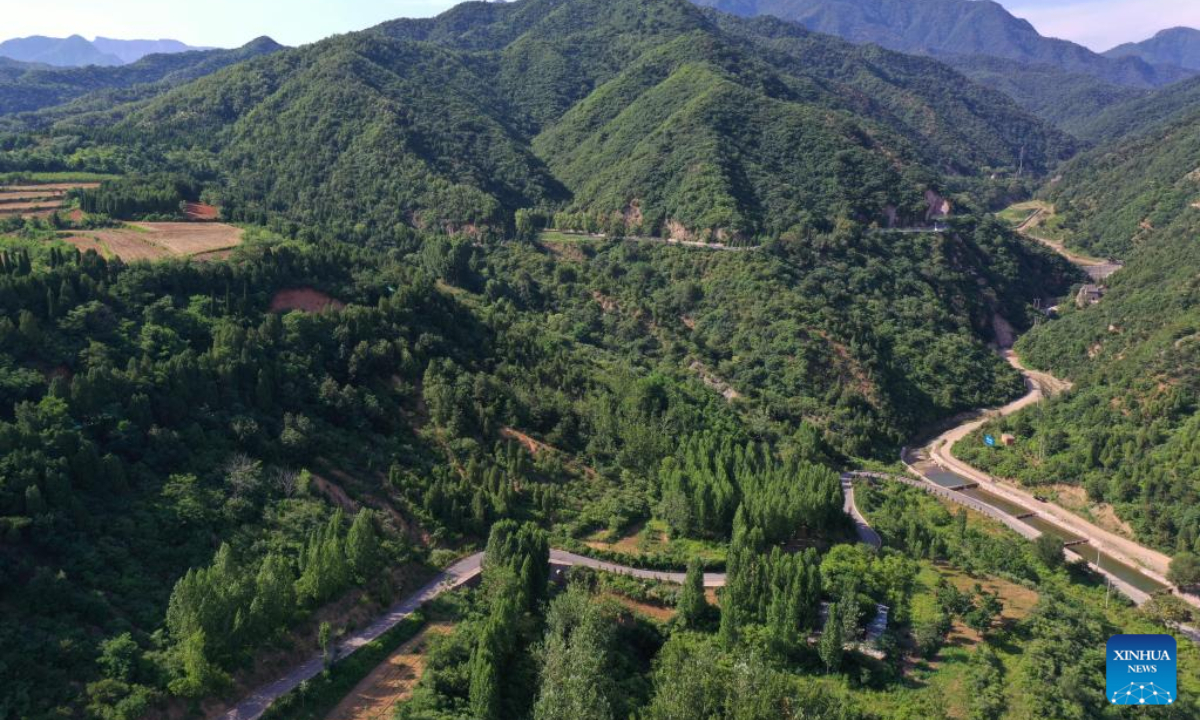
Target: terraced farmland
36,200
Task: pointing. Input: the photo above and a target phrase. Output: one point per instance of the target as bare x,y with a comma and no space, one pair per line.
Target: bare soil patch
27,195
392,682
629,544
304,299
181,238
200,212
1075,498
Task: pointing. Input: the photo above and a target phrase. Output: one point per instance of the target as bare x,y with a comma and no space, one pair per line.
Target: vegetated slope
37,87
866,337
1115,197
958,127
1070,100
1175,46
611,77
1140,114
72,51
952,27
355,131
1129,431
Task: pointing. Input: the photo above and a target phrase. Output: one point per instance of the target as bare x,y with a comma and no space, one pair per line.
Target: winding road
463,573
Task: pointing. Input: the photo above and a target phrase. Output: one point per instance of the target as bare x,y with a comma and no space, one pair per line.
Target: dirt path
1098,269
392,682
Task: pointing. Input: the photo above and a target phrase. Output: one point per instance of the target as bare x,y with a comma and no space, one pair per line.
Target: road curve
462,573
866,533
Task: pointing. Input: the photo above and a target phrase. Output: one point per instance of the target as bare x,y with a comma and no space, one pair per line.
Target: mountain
1118,196
26,88
1140,113
951,28
130,51
1176,46
677,120
73,51
1071,101
76,51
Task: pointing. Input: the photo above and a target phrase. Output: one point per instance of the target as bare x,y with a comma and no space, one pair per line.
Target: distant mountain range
954,28
76,51
28,88
1178,46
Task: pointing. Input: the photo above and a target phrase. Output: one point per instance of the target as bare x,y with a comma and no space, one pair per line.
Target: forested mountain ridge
1121,195
615,77
31,88
1057,80
1174,46
950,28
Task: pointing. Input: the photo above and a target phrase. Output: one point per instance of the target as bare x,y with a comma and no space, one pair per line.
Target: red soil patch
201,212
304,299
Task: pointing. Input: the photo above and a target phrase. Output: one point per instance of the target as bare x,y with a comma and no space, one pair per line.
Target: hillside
1074,102
1140,114
30,88
677,120
1175,46
1118,196
953,27
1127,433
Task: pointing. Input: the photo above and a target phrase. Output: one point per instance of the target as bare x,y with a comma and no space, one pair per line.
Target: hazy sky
1100,24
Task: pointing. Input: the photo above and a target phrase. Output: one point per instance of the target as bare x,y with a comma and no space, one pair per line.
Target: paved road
866,533
456,576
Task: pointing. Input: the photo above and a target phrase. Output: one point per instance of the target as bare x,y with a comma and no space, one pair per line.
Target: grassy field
652,538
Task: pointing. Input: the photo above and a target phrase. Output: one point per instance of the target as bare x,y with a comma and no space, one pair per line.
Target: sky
1099,24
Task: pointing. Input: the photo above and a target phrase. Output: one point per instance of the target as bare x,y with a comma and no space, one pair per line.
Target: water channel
1119,569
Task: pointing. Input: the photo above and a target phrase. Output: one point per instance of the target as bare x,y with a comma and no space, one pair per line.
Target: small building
1089,295
1008,440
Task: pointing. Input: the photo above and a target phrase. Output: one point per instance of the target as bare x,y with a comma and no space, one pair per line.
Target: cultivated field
158,240
30,200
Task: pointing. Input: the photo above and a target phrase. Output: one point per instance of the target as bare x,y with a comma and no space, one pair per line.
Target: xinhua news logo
1141,670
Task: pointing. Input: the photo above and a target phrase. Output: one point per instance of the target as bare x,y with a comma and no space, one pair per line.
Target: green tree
325,641
830,646
362,547
575,677
692,605
1049,550
1184,570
